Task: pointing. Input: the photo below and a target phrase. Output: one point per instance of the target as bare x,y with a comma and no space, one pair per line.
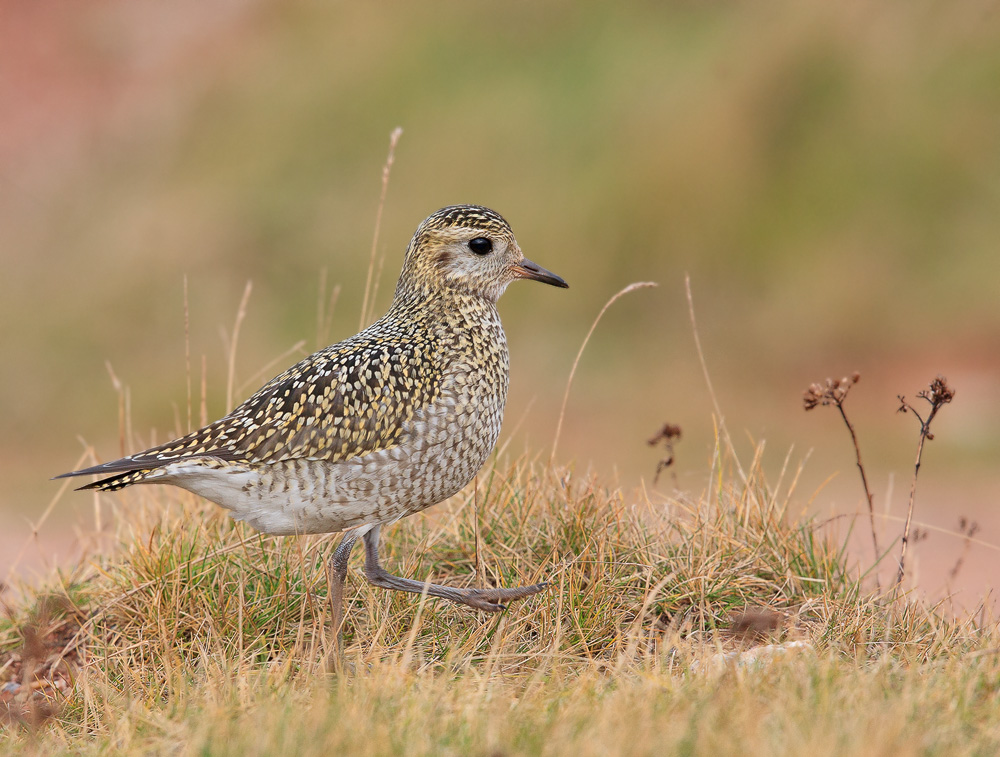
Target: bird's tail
126,472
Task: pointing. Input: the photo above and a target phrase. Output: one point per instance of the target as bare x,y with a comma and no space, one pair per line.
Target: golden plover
382,425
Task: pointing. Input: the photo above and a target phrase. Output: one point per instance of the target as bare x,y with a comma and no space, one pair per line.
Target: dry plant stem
187,351
258,378
924,433
330,310
968,530
864,482
708,379
371,283
949,532
128,419
939,395
325,308
569,382
36,527
203,408
241,313
120,391
909,509
320,302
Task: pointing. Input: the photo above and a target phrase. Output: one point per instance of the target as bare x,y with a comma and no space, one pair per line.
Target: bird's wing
349,399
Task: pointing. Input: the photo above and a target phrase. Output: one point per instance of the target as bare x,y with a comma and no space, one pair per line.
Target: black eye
481,245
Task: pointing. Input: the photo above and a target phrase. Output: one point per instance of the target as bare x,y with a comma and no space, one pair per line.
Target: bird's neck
440,306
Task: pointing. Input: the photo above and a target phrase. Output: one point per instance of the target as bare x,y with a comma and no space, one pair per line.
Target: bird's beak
528,270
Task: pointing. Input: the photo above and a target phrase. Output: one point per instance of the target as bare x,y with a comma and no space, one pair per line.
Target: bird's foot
489,600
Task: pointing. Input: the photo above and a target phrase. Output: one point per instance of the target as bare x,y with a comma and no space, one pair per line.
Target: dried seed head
941,393
668,433
812,396
937,395
833,393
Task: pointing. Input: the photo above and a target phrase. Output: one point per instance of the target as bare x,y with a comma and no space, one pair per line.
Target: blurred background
828,174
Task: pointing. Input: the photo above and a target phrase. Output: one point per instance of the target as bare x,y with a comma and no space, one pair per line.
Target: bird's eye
481,245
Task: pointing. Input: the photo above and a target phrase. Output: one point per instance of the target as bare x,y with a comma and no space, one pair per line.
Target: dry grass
196,636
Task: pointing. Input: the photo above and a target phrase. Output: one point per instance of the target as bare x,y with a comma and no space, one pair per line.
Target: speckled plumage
379,426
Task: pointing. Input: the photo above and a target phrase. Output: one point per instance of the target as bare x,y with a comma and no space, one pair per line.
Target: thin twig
864,482
240,315
708,379
320,303
187,350
939,395
909,510
569,382
995,547
378,279
257,378
36,527
968,529
370,287
325,309
120,391
203,409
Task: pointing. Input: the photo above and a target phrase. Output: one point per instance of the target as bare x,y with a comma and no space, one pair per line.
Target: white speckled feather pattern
437,453
381,425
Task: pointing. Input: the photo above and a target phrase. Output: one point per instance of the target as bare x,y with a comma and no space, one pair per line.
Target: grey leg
480,599
337,570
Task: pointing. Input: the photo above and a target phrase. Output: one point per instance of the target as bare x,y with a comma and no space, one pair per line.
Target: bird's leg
337,572
480,599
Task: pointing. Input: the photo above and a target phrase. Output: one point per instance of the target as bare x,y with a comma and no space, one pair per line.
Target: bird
382,425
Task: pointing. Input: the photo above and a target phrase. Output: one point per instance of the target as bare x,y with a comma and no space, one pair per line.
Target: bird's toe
490,600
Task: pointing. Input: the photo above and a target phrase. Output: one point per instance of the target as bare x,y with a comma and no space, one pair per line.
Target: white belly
440,453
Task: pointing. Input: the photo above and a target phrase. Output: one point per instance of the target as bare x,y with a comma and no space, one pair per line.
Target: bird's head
468,249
